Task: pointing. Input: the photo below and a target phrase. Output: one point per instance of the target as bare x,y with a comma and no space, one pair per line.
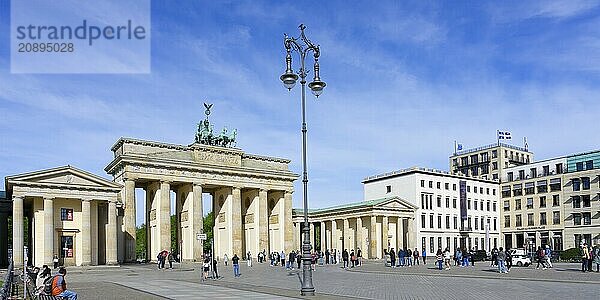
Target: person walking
424,256
359,256
416,256
508,261
326,256
408,257
352,258
235,261
548,255
501,258
55,261
249,259
215,270
401,255
458,257
597,258
585,256
205,268
345,258
465,257
299,259
393,257
494,260
439,258
282,256
447,258
591,258
170,258
225,259
159,259
540,255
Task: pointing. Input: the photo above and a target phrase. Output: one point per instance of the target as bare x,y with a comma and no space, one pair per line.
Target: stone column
312,236
296,236
287,224
411,238
236,221
111,234
129,220
48,231
400,233
346,234
263,221
150,194
373,238
334,236
165,216
17,229
86,233
197,221
359,233
384,233
323,244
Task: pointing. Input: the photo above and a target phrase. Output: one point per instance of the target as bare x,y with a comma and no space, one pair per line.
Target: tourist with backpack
171,259
58,286
235,261
540,255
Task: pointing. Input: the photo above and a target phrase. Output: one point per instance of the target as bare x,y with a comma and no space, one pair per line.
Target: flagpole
498,137
455,147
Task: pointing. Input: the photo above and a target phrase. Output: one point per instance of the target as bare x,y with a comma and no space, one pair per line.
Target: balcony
465,229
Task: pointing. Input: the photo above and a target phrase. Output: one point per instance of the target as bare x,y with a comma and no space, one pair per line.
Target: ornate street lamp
303,46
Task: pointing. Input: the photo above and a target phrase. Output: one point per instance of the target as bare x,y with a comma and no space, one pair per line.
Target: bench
31,290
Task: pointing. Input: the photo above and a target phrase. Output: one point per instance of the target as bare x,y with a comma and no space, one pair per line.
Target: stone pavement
371,281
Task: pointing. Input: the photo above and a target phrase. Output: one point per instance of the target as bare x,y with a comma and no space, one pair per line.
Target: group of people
349,259
54,285
589,257
164,256
406,257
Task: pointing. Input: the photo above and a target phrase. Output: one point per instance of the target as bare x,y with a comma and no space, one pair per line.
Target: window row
479,223
578,217
476,190
427,203
463,243
530,187
530,203
533,173
543,220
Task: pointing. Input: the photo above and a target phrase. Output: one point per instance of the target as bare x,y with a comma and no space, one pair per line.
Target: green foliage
209,223
174,244
140,242
571,254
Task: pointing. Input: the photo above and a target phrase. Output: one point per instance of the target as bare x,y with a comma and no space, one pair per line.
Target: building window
529,189
66,214
469,222
506,191
542,201
576,184
576,201
481,205
430,184
495,166
579,166
422,183
487,204
506,221
423,245
439,222
389,188
447,222
585,199
555,200
455,222
468,188
476,223
475,204
469,204
529,203
494,153
545,170
589,165
494,206
431,246
518,221
543,218
482,227
587,218
585,183
453,202
447,202
559,168
422,221
431,221
555,184
423,201
517,191
454,186
576,219
447,186
533,172
517,204
495,177
556,217
439,201
475,189
506,205
522,174
487,191
542,186
495,222
509,176
530,220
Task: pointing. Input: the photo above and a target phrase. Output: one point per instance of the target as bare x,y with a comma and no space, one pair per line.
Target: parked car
521,260
480,255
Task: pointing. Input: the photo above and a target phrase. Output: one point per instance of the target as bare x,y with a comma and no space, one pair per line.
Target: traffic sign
201,236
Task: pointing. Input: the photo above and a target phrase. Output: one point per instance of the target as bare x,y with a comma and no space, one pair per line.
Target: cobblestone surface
371,281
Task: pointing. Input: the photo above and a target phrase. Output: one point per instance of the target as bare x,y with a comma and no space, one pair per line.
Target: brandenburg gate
251,195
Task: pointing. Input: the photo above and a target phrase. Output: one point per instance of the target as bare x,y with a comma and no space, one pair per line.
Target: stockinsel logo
80,36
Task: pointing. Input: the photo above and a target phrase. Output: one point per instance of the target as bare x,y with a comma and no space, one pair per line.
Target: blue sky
404,80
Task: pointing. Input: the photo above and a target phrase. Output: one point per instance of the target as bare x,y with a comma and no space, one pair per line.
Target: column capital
263,189
86,199
49,198
198,183
237,187
166,182
18,197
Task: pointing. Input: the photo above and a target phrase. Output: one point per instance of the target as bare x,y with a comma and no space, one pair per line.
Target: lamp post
303,46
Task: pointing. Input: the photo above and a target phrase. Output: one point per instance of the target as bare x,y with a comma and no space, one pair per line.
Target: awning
555,181
506,188
517,186
528,185
542,182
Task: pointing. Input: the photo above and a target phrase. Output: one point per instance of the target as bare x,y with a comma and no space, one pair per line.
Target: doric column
346,234
312,236
111,234
263,221
165,216
323,244
48,231
287,224
197,221
151,251
400,233
17,229
384,232
373,238
129,220
411,238
86,233
236,221
334,237
359,233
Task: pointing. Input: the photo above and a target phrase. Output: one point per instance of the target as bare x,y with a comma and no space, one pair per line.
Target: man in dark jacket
345,258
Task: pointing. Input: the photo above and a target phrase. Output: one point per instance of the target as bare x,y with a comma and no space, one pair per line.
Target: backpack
48,284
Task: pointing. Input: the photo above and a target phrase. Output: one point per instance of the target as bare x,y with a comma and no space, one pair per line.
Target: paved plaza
371,281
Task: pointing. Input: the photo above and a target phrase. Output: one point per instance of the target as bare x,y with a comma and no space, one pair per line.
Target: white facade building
439,222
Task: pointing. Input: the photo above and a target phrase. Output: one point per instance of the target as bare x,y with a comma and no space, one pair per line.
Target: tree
174,230
140,242
209,223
